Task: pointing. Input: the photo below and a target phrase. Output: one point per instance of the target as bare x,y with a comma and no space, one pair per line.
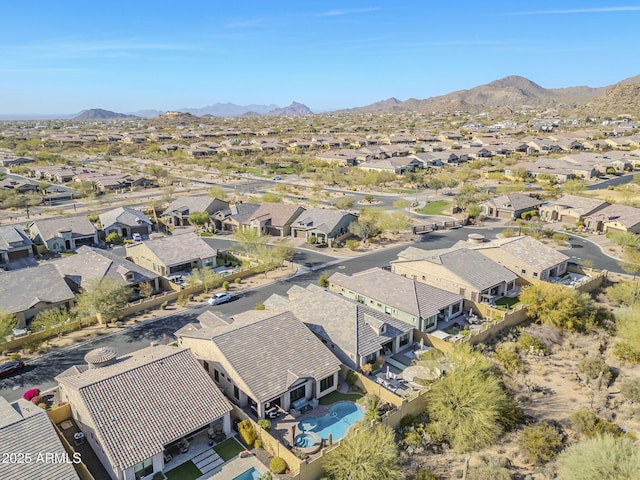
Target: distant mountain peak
100,114
294,109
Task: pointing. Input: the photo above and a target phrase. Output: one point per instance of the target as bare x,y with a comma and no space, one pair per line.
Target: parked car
11,367
277,177
136,237
219,298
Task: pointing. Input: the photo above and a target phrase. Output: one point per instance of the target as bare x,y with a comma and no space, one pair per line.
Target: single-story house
14,244
571,209
27,433
354,332
272,360
458,270
125,221
230,219
323,225
511,205
178,211
614,218
413,302
131,408
92,263
62,234
274,219
29,291
173,254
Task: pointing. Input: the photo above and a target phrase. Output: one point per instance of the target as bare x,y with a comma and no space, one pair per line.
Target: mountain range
509,93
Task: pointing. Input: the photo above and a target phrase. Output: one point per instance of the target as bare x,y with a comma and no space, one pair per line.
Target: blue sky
62,57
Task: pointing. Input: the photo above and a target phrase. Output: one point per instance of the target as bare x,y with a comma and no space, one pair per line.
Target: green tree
573,187
468,407
115,238
8,322
599,458
363,229
323,281
102,298
435,184
369,455
563,307
199,219
52,319
628,330
368,198
474,210
372,412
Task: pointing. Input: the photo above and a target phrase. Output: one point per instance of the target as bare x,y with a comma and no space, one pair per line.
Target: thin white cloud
629,8
348,11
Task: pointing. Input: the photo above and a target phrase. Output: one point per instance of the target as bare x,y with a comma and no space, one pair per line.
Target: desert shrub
528,215
14,356
225,286
425,474
630,389
560,238
36,400
625,352
247,432
587,423
540,443
260,306
183,298
490,469
114,238
323,280
508,356
407,421
352,377
278,465
530,344
265,424
237,280
352,244
508,232
164,305
257,443
592,367
599,458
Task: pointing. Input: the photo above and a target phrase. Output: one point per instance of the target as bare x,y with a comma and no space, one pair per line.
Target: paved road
40,372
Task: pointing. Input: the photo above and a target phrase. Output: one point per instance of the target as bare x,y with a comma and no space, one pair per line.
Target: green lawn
228,449
506,303
434,208
334,397
186,471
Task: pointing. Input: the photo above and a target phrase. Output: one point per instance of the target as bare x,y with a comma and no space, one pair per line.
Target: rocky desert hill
100,114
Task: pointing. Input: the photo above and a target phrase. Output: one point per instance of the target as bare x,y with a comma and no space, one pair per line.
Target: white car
136,237
219,298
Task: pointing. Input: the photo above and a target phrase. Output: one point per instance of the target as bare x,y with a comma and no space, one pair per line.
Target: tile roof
12,237
347,323
322,219
268,354
528,249
124,216
623,214
580,205
408,295
279,213
145,400
22,289
89,263
25,429
50,228
177,249
239,212
469,265
515,202
195,203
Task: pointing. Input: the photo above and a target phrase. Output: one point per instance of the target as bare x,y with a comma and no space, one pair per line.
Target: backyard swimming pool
336,422
251,474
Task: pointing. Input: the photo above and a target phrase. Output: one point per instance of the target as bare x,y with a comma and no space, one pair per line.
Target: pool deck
238,465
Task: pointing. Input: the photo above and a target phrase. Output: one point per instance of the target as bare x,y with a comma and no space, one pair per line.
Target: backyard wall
368,385
81,468
60,414
271,445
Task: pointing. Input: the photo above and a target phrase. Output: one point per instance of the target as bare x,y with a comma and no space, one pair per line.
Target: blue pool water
340,417
304,440
251,474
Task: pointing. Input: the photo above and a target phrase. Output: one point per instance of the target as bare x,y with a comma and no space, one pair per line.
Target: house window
236,392
455,308
206,366
404,339
143,469
535,274
297,394
523,272
216,375
370,358
387,310
326,383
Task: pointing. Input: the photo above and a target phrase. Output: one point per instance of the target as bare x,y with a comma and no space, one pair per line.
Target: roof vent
101,357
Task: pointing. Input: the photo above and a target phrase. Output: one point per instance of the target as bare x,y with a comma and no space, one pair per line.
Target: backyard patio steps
395,363
207,461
